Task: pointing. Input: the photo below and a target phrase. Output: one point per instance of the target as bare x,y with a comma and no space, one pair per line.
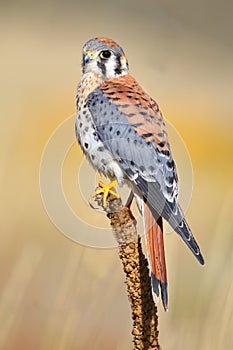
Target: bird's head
104,57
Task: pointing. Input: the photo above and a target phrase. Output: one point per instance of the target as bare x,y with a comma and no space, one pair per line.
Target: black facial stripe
83,64
118,65
101,65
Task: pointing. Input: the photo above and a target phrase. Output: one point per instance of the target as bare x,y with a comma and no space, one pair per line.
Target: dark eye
105,54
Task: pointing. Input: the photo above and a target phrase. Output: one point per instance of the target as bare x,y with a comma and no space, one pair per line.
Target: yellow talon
106,190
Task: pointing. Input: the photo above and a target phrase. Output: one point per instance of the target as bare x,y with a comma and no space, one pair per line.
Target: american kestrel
122,133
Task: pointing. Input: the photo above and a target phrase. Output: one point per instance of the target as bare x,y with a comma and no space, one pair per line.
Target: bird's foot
105,190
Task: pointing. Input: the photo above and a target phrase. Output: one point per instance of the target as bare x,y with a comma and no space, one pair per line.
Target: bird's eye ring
106,54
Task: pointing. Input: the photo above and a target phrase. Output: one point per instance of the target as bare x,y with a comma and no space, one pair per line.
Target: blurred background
58,294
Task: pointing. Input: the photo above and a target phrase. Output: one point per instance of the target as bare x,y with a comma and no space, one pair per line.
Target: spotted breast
98,155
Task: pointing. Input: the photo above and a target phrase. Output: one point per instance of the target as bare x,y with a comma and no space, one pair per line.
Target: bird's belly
96,152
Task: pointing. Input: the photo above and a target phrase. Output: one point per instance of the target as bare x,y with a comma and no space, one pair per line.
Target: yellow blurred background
58,294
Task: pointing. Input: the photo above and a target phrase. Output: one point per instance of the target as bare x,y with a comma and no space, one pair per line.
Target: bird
122,133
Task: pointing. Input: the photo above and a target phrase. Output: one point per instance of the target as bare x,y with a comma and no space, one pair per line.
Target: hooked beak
88,56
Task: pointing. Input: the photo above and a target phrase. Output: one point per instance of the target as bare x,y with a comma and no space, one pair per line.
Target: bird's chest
94,149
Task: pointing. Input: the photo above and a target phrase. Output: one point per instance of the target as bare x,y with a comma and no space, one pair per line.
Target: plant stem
144,311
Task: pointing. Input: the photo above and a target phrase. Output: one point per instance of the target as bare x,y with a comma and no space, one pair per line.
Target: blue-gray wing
132,128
